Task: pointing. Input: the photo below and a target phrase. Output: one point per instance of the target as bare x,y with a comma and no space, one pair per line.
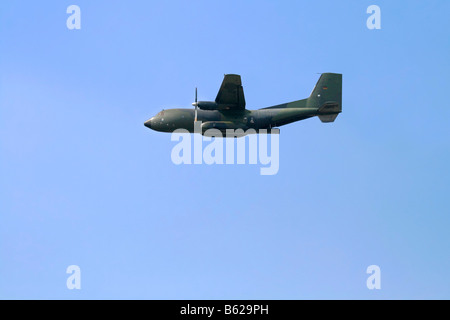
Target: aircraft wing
231,93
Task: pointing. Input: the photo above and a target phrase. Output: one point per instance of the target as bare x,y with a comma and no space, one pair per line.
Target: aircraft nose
148,123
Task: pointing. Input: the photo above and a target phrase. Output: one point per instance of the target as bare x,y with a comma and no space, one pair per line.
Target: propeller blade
196,105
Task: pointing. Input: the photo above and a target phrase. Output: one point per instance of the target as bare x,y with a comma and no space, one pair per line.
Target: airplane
228,110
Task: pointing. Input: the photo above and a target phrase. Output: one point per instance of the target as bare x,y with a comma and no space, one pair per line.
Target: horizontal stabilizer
330,107
328,117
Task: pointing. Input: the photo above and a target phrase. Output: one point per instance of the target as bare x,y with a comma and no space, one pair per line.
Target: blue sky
84,182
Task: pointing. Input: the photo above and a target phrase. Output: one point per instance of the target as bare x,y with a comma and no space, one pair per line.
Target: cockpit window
161,113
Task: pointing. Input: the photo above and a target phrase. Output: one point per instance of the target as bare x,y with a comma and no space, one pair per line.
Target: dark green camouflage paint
228,110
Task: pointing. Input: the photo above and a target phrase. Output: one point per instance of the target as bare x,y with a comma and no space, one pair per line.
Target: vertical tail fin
327,96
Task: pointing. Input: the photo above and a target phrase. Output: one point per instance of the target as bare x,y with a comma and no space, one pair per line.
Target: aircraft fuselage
171,119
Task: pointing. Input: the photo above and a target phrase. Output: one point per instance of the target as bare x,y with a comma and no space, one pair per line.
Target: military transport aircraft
228,110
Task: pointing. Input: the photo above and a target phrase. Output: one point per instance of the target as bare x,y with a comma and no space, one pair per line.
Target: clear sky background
83,182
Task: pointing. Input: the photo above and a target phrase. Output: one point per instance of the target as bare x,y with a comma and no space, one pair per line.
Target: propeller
196,105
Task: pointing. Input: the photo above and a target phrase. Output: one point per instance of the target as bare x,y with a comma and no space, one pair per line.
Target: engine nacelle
207,105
